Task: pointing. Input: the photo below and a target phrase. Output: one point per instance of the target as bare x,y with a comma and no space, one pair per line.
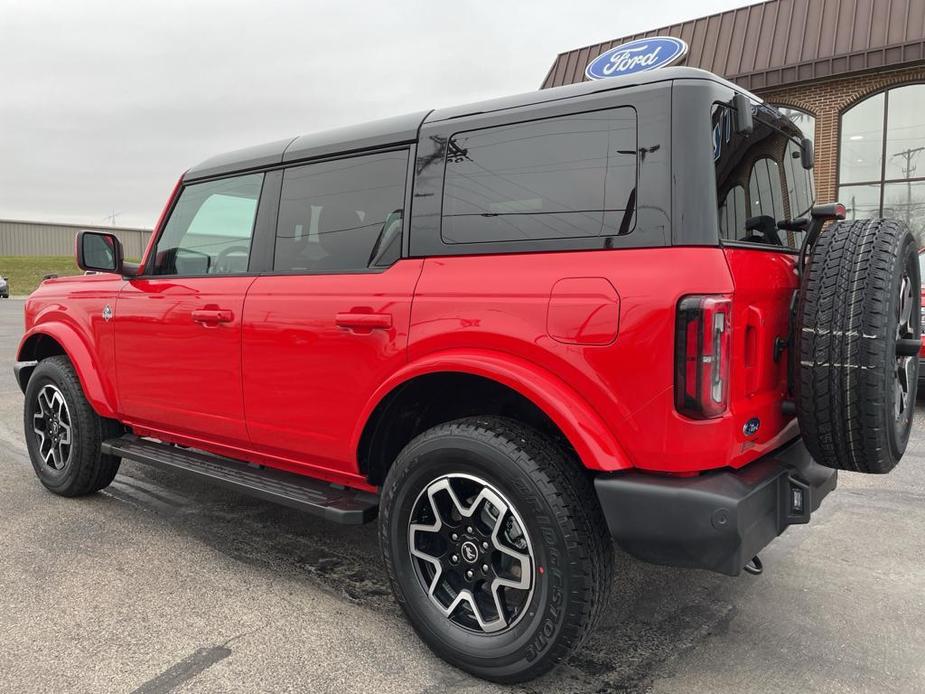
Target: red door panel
178,355
316,348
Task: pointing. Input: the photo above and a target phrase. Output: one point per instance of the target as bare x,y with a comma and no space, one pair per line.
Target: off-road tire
848,323
573,552
86,469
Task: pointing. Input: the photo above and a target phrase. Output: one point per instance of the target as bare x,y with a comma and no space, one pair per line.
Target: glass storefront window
882,172
862,142
861,201
803,120
905,133
906,201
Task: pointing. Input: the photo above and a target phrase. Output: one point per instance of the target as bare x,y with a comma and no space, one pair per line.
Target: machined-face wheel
51,424
905,379
471,553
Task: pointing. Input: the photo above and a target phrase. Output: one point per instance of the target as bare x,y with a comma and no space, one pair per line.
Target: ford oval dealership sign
637,56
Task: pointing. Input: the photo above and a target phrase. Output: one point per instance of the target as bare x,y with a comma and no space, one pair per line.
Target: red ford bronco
512,330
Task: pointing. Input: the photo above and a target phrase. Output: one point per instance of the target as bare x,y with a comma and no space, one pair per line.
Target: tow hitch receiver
796,500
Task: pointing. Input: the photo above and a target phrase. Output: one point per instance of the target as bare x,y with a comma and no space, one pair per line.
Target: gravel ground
161,583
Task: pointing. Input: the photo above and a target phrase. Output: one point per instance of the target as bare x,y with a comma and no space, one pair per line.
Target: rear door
178,327
330,323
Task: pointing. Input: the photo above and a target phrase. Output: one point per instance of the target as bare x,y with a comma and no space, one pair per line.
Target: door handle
364,321
212,316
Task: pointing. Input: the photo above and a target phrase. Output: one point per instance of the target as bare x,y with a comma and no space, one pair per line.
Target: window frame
263,238
655,128
543,239
405,221
147,270
883,181
783,190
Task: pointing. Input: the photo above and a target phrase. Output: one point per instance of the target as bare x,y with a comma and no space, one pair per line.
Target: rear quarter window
565,177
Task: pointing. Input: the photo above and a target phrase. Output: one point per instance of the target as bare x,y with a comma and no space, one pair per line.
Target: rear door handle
364,321
212,316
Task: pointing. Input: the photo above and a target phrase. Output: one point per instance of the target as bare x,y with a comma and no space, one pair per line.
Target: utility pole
111,218
909,155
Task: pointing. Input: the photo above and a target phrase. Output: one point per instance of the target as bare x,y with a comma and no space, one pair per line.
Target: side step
332,502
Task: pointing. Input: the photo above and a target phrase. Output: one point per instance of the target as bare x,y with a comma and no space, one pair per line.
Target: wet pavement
164,583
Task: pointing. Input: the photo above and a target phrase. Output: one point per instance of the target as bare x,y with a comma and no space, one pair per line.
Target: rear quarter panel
500,303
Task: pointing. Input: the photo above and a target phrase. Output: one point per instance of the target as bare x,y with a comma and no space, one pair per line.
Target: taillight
703,344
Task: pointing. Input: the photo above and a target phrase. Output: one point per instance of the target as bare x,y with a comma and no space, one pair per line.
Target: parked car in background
514,330
4,288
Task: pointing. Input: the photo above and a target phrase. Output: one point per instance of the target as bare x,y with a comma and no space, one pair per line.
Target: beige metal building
46,238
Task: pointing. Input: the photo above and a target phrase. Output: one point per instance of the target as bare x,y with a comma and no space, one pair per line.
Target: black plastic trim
331,502
263,238
717,520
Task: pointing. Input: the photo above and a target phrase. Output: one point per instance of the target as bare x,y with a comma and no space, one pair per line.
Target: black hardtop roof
404,129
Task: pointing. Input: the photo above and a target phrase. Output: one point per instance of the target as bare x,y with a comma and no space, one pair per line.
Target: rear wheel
859,341
63,433
495,547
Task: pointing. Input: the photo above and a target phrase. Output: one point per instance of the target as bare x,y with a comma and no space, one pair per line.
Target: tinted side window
209,231
567,177
341,216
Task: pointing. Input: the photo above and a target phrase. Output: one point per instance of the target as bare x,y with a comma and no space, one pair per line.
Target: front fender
100,393
579,423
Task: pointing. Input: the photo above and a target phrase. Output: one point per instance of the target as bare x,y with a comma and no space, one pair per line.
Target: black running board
332,502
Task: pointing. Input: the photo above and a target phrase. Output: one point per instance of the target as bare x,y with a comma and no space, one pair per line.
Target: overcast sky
104,104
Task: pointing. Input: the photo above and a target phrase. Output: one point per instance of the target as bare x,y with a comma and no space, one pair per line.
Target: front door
178,326
330,324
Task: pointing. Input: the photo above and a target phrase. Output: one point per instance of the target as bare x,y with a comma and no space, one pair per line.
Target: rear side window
341,216
566,177
210,228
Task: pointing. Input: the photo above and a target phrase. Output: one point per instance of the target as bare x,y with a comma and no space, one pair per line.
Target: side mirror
99,252
742,106
807,156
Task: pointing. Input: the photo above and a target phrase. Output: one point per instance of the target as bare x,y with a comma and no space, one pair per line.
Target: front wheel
63,433
495,547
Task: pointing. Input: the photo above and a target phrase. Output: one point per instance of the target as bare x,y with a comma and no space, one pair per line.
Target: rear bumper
718,520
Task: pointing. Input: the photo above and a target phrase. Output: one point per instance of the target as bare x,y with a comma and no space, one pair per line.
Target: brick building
851,73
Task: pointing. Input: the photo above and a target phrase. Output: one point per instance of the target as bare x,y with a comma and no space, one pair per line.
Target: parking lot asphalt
162,583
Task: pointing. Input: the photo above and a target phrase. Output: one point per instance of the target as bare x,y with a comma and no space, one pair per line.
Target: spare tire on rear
858,334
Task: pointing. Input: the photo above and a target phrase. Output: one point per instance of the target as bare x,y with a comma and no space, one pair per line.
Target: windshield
760,179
